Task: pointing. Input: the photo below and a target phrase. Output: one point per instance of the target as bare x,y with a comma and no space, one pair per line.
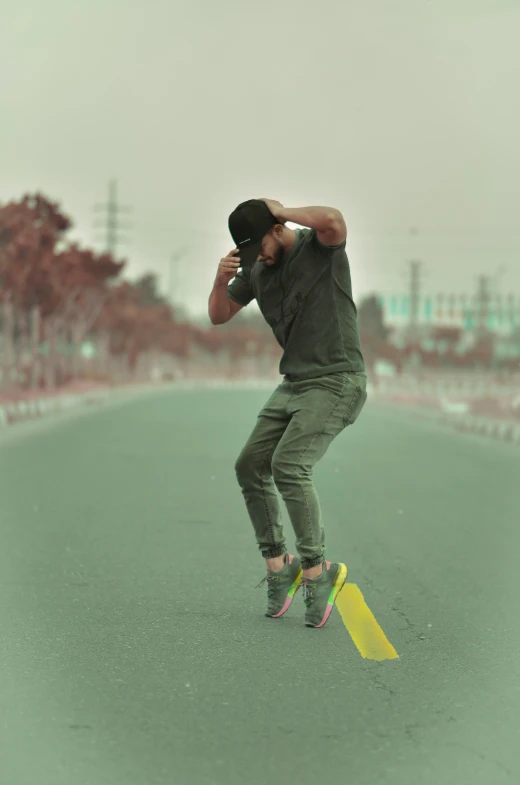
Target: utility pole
414,276
172,278
111,223
483,298
415,270
173,274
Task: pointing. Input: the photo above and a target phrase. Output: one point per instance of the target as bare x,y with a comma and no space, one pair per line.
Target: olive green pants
293,431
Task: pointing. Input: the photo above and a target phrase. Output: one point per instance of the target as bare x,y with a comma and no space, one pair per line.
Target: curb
494,429
457,419
18,411
36,408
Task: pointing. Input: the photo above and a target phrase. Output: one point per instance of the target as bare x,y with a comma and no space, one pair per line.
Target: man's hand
274,208
328,222
228,267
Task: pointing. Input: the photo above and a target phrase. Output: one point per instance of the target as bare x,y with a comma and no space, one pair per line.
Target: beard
275,258
279,255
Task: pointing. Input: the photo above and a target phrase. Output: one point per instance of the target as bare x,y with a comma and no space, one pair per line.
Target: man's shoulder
310,243
307,239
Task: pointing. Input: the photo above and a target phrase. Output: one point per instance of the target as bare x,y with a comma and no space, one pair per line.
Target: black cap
248,224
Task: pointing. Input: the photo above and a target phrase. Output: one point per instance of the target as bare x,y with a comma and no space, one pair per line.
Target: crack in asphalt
382,686
410,627
479,755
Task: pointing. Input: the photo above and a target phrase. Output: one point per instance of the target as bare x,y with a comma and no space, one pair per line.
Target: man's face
271,251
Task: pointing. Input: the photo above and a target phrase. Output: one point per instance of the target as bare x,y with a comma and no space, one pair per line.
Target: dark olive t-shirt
307,300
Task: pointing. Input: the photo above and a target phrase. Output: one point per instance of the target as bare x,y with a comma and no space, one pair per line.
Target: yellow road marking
361,625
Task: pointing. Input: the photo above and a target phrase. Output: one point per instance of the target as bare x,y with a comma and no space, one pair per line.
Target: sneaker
319,594
282,586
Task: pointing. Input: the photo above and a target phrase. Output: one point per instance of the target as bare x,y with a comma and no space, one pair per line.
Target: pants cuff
308,563
272,553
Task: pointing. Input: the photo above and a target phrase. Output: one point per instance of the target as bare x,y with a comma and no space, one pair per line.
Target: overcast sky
401,114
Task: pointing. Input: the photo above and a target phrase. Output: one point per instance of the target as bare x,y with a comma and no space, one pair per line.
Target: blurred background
121,160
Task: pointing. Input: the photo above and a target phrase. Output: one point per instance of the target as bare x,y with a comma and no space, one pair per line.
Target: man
301,282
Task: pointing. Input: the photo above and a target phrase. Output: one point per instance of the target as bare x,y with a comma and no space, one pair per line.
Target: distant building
500,315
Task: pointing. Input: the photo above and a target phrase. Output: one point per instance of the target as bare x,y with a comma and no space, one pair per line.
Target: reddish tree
134,329
30,230
80,281
68,286
29,233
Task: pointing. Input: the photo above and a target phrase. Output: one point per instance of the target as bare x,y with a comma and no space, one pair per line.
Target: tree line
56,294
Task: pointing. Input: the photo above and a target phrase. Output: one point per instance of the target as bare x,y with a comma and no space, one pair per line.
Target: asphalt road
134,649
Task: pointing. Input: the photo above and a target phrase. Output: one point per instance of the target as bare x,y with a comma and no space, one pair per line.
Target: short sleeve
239,289
325,250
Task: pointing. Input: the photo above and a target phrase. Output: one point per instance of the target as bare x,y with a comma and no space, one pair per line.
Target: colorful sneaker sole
341,579
290,596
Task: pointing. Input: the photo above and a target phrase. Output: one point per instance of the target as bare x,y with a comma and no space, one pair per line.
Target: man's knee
241,464
288,468
250,463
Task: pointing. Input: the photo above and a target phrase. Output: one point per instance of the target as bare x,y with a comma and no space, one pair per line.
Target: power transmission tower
111,223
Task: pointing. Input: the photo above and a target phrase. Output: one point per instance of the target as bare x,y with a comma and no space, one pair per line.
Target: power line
111,223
